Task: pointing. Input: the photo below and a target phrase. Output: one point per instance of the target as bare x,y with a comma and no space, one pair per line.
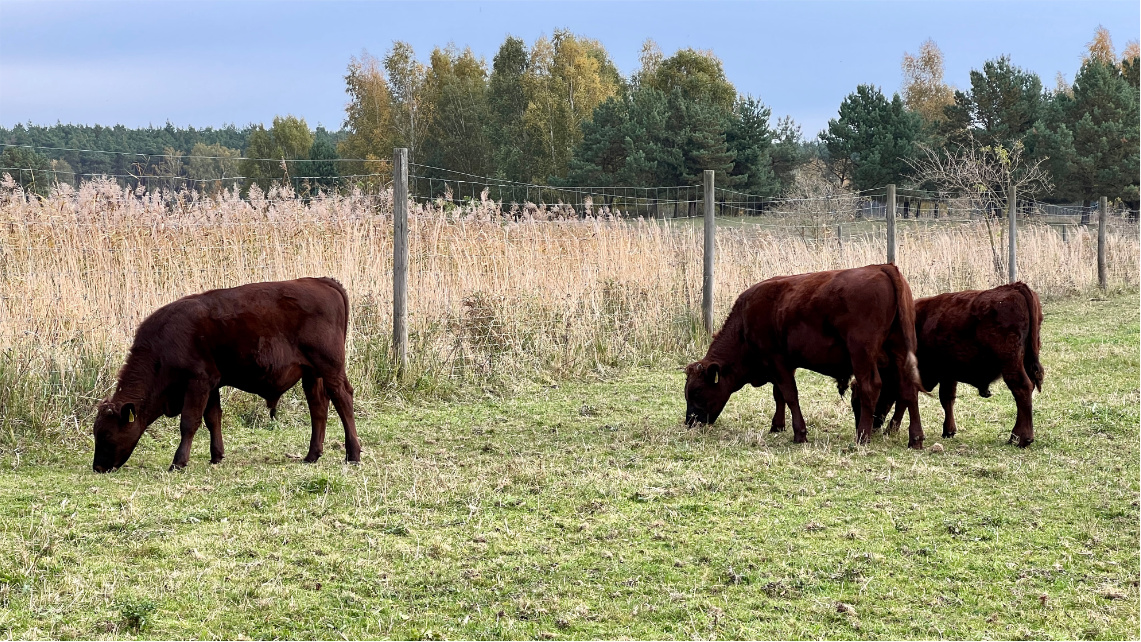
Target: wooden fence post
1102,271
1012,233
890,214
707,274
400,258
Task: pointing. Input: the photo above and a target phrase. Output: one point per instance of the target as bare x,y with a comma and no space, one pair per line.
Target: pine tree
749,137
507,105
1103,116
873,138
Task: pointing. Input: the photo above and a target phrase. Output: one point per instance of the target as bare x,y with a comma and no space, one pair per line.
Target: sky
213,63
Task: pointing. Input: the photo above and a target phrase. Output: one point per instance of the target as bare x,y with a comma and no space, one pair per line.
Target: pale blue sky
206,63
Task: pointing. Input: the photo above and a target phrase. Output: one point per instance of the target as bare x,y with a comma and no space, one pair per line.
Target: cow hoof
776,429
915,445
216,460
800,439
1023,441
175,467
310,460
948,435
985,392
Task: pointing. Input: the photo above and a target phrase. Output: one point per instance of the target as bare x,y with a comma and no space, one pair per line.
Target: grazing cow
839,323
975,337
261,338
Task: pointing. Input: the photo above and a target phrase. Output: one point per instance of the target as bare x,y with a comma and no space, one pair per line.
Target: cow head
706,392
117,432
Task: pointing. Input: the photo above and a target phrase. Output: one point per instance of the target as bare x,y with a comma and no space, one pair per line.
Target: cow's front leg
778,412
193,407
786,382
868,386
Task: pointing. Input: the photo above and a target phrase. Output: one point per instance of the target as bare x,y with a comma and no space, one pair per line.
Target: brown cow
975,337
260,338
839,323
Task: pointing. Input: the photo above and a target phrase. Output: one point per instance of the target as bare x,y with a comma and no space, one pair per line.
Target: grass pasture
587,510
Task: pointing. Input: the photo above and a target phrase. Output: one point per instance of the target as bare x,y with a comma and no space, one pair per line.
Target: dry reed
491,300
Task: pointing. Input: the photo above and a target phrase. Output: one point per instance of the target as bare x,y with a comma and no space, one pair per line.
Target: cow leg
213,418
193,407
896,417
883,405
318,402
868,386
947,399
341,391
1022,389
778,412
786,382
909,398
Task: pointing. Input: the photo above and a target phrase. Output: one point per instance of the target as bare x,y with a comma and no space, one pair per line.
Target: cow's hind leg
778,412
193,407
318,401
341,391
213,417
1022,389
947,391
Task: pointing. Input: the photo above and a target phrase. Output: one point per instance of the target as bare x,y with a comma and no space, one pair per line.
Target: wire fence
168,176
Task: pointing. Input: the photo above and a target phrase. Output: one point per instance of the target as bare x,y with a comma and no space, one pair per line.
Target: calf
975,337
260,338
839,323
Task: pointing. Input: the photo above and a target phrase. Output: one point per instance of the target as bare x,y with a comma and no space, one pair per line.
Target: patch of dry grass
492,301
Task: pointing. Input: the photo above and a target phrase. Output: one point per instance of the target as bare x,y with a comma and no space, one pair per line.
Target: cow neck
138,386
727,349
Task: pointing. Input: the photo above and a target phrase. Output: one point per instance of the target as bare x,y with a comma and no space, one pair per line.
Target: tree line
559,112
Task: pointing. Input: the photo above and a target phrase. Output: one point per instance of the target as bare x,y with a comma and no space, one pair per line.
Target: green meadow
587,509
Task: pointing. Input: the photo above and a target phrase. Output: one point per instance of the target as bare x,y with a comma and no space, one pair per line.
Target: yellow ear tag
130,416
716,377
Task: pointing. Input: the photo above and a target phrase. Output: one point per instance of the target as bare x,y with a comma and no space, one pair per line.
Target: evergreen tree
32,171
873,138
1104,119
1001,106
703,126
749,137
789,152
507,106
601,157
323,170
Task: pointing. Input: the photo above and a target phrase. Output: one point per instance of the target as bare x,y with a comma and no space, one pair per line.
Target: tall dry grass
492,301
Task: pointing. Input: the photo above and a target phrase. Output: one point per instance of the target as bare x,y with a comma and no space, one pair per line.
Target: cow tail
1034,337
905,316
336,285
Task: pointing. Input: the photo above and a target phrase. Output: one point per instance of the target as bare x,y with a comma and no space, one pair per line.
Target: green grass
588,510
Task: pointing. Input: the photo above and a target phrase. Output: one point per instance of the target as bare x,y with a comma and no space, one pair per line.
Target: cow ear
127,413
713,372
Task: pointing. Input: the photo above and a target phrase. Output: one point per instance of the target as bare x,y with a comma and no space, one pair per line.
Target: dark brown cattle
260,338
839,323
975,337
